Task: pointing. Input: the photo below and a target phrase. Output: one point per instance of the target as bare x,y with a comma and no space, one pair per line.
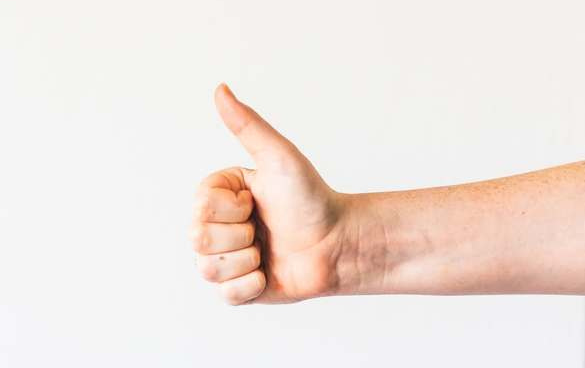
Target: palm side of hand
296,213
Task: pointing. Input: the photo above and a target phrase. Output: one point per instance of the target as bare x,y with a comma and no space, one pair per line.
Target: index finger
223,205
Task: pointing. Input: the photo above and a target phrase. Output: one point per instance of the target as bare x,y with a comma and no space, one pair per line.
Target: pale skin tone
279,234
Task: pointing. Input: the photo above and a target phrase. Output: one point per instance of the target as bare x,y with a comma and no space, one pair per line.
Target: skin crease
280,234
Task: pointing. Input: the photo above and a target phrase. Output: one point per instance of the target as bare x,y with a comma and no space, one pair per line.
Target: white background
107,124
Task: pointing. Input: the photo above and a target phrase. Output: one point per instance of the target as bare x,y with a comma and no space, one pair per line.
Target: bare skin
280,234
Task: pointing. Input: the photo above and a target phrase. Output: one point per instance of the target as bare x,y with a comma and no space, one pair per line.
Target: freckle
221,258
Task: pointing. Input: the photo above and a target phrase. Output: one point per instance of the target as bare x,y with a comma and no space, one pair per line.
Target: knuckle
209,270
202,207
200,238
250,233
255,258
230,294
283,161
260,282
245,200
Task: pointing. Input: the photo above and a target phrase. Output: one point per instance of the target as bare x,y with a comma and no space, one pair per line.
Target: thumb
253,132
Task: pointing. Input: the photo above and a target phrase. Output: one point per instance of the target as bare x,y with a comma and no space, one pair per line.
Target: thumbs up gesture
270,234
279,234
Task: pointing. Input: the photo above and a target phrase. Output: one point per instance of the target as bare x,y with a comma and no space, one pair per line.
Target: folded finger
223,205
244,288
213,238
226,266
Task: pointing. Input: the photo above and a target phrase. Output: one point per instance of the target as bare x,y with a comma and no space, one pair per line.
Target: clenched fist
267,235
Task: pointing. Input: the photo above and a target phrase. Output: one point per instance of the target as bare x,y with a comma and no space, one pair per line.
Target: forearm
521,234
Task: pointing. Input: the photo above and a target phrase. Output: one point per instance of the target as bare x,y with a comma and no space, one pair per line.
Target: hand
267,235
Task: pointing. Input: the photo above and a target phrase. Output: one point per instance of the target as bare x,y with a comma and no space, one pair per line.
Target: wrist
375,246
405,243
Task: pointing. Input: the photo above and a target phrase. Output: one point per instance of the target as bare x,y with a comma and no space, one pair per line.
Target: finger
244,288
226,266
234,178
213,238
222,205
255,134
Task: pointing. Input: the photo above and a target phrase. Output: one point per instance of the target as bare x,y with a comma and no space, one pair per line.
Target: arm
521,234
279,233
